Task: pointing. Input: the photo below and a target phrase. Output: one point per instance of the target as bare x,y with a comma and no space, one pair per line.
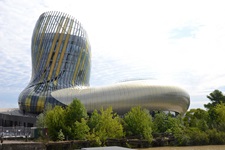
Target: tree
196,123
197,137
181,136
138,122
104,125
94,120
197,118
61,136
40,123
159,122
216,137
167,123
69,122
82,129
55,121
75,111
220,113
173,123
75,115
216,97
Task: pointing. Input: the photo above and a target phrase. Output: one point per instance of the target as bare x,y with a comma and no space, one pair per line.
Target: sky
176,42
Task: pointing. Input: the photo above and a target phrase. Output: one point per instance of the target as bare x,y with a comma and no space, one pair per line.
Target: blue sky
174,42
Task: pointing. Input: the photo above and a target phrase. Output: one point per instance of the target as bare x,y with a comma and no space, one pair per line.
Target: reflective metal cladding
125,95
61,62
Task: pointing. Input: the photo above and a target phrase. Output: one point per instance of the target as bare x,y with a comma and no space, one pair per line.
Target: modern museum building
61,67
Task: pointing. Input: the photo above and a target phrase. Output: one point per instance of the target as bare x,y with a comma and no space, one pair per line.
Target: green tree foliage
181,136
197,127
197,118
70,121
160,123
174,123
82,129
104,125
94,120
216,97
75,115
196,123
168,123
220,119
75,112
138,122
216,137
61,136
55,121
40,123
198,137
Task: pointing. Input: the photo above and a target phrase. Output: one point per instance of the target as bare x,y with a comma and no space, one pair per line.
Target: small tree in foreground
75,112
104,125
138,122
81,129
69,122
75,115
61,136
55,121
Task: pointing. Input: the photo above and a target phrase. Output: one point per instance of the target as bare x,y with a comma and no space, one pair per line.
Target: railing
17,131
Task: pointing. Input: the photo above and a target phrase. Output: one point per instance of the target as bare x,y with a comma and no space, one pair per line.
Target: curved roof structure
125,95
61,64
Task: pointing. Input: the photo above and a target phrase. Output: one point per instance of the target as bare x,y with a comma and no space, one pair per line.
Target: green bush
181,136
198,137
138,122
216,137
104,125
61,136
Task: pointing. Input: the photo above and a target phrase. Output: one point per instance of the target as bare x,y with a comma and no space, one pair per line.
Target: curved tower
61,58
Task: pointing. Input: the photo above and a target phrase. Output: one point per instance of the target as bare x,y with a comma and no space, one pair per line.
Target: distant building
61,63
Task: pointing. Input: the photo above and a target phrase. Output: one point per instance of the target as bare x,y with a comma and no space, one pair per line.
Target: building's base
10,117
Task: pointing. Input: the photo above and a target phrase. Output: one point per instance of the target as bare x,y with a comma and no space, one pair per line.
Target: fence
17,131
